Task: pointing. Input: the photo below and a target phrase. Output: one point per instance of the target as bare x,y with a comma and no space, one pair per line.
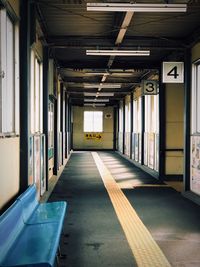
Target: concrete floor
173,220
92,234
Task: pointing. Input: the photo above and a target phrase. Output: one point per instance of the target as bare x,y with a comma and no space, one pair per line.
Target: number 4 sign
173,72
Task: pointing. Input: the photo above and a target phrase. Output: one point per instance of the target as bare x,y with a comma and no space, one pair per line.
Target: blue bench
30,231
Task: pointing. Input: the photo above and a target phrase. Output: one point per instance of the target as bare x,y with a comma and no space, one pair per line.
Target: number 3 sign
173,72
150,87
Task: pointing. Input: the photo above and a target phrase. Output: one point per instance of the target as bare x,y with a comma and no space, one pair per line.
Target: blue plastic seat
35,246
44,212
30,231
11,225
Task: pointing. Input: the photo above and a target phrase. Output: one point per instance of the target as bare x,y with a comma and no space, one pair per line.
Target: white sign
150,87
173,72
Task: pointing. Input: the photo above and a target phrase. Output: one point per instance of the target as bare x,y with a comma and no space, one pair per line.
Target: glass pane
121,117
198,97
37,96
93,121
7,65
32,81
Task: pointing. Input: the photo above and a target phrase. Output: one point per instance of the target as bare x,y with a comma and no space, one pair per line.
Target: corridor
93,235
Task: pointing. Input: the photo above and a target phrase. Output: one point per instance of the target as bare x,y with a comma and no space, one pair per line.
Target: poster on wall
133,146
140,147
136,146
64,147
31,178
195,165
36,162
120,142
42,166
156,152
60,149
145,149
127,144
151,154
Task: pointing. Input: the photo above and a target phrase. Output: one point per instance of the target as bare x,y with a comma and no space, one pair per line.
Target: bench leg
59,254
57,261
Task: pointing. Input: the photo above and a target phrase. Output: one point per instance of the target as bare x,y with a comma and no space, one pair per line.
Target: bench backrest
11,224
29,201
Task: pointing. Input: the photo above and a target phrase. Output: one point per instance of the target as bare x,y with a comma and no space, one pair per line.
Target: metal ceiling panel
69,30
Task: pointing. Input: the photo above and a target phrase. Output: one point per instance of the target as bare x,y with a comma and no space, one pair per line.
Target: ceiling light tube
117,52
106,94
98,93
96,100
99,104
132,7
89,94
94,105
103,85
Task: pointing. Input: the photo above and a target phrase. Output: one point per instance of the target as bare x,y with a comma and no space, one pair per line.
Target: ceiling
69,30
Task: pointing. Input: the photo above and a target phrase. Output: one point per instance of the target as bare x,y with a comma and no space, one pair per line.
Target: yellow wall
9,156
9,166
79,140
174,127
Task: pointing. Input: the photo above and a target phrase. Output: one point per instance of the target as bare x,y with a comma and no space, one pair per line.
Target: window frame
36,93
195,120
93,129
9,75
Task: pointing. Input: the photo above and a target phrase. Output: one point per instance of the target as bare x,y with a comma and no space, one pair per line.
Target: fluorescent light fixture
102,85
118,53
105,94
97,73
99,105
96,100
132,7
94,105
89,94
99,94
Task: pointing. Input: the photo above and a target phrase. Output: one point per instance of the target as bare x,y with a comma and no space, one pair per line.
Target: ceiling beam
124,27
115,92
78,80
106,42
149,64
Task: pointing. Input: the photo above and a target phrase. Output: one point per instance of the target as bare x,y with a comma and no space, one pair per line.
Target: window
36,94
121,117
93,121
128,114
9,75
151,113
196,98
51,125
137,115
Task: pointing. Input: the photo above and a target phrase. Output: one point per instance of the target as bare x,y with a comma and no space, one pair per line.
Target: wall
174,128
9,156
79,140
9,166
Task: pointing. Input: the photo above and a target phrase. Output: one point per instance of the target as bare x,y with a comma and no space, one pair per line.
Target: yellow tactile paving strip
145,250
